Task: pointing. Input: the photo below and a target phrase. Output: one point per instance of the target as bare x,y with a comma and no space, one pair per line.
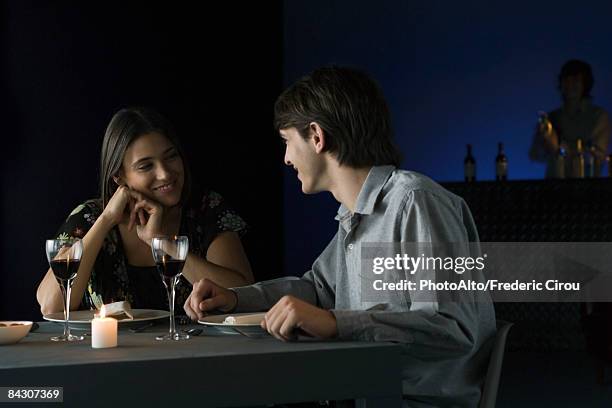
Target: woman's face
153,167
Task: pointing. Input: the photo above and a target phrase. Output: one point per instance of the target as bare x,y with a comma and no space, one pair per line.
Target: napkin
119,310
255,318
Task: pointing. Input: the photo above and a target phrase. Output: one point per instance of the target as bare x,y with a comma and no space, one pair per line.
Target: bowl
13,331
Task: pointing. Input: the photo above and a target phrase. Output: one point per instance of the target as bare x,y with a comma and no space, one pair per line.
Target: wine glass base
70,337
174,336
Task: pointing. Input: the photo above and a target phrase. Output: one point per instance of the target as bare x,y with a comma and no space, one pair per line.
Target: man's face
301,154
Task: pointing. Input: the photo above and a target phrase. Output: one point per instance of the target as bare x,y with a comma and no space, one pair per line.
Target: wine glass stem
68,292
65,285
171,293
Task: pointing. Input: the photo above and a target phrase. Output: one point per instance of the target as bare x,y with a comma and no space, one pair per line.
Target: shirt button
350,247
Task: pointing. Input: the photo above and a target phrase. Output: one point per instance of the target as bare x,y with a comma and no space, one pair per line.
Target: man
578,118
336,126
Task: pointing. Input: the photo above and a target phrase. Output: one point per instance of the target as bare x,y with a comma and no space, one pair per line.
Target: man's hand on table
207,296
288,316
291,314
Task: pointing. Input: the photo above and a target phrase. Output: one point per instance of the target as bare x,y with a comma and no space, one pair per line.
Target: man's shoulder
403,184
405,181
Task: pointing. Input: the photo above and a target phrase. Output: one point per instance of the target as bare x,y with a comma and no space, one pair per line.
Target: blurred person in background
578,118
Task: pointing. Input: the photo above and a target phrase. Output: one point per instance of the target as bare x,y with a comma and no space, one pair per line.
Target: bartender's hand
548,133
544,126
207,296
291,314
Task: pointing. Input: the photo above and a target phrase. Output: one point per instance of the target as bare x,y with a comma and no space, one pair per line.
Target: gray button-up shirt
444,363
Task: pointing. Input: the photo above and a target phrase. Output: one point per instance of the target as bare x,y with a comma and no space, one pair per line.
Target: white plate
249,330
80,318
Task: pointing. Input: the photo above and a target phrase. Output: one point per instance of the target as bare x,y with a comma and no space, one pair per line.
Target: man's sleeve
262,296
315,287
419,321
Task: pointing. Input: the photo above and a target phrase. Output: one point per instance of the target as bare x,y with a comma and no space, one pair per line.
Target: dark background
213,68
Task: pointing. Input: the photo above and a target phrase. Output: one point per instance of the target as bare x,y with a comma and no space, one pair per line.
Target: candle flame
103,311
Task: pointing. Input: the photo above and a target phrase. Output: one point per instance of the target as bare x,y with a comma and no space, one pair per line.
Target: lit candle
103,331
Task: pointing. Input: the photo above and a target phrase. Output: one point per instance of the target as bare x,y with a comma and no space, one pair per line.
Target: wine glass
170,254
64,256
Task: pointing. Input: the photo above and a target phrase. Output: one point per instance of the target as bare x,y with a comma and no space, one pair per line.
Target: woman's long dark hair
125,127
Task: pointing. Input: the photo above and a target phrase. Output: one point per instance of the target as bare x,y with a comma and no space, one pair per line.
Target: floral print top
110,276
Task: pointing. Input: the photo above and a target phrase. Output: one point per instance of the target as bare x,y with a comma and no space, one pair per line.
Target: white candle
103,331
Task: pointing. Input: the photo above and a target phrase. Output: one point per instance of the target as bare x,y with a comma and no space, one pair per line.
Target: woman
145,192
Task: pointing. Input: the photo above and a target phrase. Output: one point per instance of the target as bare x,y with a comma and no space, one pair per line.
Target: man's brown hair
351,110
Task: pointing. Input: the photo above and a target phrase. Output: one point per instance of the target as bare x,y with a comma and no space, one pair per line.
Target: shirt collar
377,177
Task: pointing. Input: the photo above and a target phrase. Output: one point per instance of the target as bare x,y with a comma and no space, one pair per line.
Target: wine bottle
501,164
589,160
592,164
560,163
469,165
578,161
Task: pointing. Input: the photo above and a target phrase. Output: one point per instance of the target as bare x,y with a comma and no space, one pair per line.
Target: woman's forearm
49,294
226,263
197,268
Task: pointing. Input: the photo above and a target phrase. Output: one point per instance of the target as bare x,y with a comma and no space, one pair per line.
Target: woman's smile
165,188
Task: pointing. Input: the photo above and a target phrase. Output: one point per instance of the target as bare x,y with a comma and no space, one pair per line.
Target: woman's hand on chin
114,212
146,215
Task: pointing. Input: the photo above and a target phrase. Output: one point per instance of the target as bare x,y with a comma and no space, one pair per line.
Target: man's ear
317,137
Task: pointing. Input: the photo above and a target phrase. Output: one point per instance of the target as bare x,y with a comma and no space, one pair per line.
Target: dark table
212,369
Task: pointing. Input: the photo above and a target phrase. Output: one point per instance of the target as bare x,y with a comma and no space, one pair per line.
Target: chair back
491,383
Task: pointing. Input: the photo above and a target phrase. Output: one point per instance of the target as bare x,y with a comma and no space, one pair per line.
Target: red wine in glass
64,256
169,268
65,269
169,254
